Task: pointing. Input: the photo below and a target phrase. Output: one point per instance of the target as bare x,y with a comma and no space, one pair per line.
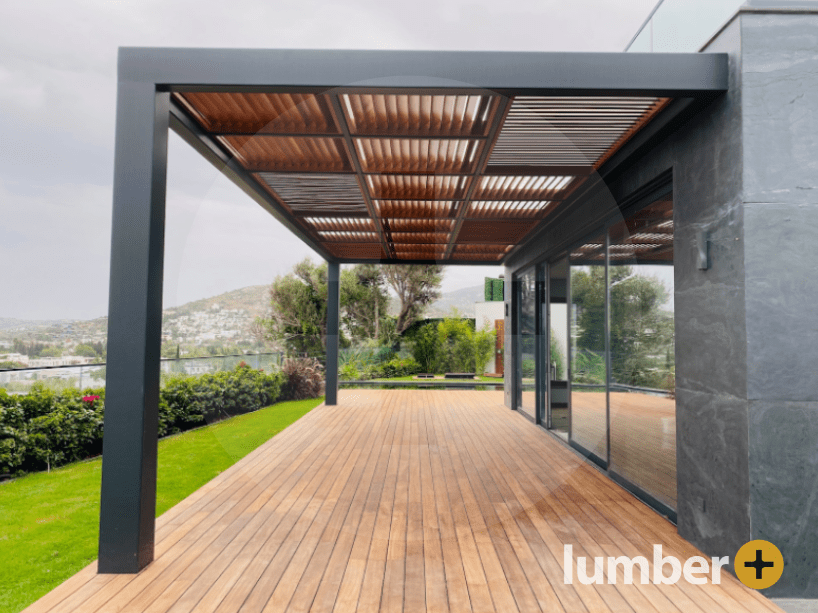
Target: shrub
395,368
426,347
305,378
48,428
457,345
349,372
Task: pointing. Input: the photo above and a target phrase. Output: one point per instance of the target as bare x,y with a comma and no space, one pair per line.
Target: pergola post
128,497
333,323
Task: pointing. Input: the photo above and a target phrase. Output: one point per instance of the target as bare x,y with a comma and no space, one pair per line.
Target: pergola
367,156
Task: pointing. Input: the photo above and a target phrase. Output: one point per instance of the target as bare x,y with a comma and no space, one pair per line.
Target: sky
57,106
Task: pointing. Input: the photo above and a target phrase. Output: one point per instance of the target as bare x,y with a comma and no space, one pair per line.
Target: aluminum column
333,322
128,499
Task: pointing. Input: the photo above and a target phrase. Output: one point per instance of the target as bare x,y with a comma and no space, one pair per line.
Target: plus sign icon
758,564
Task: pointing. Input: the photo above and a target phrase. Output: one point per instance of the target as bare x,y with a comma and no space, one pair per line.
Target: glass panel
558,346
643,408
527,340
588,367
684,25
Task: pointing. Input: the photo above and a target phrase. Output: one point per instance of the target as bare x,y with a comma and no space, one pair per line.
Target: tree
364,301
426,347
417,286
85,350
298,309
456,344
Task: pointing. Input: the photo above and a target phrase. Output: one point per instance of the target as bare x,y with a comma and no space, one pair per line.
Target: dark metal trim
493,133
642,495
588,454
340,119
333,332
510,73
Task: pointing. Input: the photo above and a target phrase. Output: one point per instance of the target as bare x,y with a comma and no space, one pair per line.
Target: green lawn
49,523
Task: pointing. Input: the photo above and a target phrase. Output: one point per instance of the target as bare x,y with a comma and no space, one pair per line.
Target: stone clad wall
780,136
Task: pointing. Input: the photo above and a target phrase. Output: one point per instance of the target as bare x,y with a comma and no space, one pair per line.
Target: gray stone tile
783,457
780,107
713,484
782,301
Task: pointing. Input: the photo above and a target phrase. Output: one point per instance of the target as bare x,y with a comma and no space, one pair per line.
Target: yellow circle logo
759,564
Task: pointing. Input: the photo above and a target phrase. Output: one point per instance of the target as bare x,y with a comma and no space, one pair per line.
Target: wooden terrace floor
407,500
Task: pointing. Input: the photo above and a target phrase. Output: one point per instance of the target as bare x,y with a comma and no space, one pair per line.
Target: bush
426,346
48,428
395,368
305,378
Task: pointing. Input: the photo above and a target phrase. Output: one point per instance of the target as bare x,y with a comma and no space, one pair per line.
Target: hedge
45,428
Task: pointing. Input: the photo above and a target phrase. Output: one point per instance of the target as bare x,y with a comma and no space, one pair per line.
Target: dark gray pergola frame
148,76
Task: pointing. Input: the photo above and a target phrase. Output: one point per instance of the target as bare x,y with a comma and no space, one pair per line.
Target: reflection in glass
558,347
588,364
642,405
526,341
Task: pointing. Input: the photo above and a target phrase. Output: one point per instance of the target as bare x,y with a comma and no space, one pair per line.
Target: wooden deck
407,500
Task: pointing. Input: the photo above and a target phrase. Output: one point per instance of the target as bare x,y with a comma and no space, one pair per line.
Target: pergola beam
509,73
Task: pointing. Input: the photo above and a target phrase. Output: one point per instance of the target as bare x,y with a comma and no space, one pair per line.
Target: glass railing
83,376
682,25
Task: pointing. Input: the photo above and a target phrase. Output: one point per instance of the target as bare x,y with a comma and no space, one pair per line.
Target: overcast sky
57,96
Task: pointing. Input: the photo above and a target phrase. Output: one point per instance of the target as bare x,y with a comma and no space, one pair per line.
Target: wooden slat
405,500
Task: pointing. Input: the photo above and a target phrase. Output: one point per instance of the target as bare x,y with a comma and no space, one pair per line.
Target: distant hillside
227,316
238,308
462,299
253,299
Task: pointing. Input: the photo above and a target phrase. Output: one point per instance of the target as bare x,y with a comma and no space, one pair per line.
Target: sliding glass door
642,390
527,342
589,370
557,345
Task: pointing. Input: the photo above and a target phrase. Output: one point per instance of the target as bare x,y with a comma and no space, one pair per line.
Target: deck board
401,500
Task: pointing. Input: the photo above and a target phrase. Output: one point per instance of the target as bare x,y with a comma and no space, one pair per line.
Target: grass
49,522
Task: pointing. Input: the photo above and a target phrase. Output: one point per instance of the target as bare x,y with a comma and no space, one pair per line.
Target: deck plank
401,501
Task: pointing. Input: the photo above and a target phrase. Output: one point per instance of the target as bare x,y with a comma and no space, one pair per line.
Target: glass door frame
541,338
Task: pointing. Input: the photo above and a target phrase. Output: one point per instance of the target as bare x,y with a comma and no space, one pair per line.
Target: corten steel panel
522,187
416,187
332,236
496,231
340,224
288,153
414,209
417,155
419,237
419,225
361,251
569,130
418,114
265,113
508,209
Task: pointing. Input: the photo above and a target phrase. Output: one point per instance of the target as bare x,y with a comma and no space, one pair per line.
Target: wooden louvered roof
430,176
